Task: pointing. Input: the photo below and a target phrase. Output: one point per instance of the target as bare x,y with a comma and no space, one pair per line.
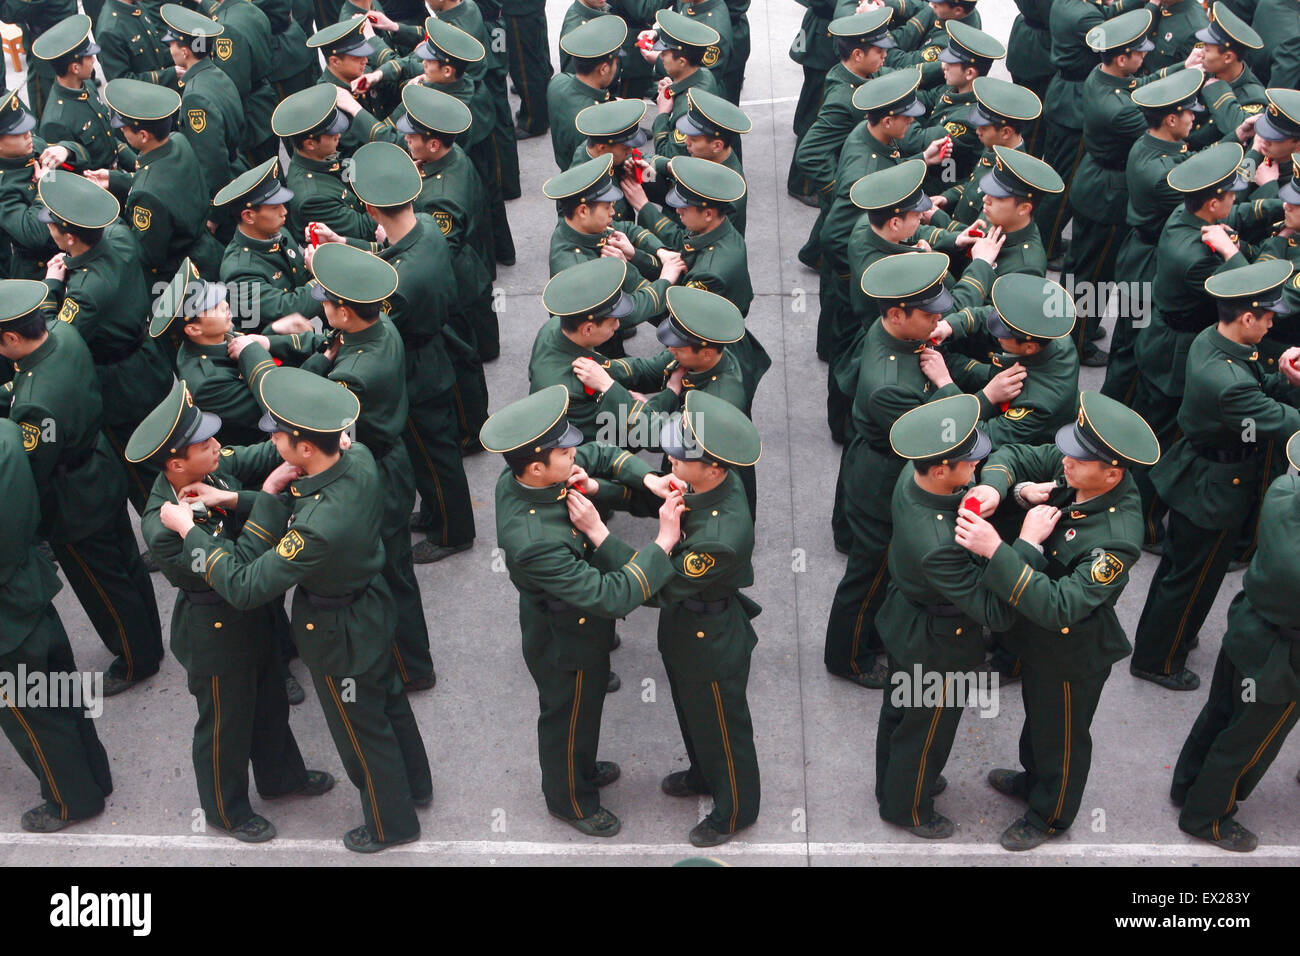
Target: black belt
1033,24
1147,234
323,603
1226,456
1185,321
552,606
1114,167
114,356
73,462
944,610
705,607
1076,78
377,451
1292,633
203,598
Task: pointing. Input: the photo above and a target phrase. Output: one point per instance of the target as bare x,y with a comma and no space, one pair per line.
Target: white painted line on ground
1097,851
771,102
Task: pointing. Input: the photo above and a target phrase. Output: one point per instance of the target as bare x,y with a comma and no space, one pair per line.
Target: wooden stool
12,37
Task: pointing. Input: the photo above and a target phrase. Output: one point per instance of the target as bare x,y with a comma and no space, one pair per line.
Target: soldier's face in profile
16,145
945,11
693,472
1255,327
873,58
347,66
1090,477
267,220
420,147
558,467
599,332
914,324
692,359
178,51
696,219
1291,213
599,215
1183,124
958,74
1006,211
1217,58
202,459
1280,150
705,147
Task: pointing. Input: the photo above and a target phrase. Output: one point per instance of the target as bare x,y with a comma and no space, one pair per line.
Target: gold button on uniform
958,631
1065,630
311,627
216,624
582,620
699,633
1236,481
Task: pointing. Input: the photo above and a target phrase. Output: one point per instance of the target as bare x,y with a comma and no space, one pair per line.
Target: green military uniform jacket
58,407
669,141
214,639
1228,104
79,116
1112,123
551,561
1230,405
129,45
965,201
1150,200
367,126
861,155
268,275
219,384
1029,46
105,298
1174,33
725,380
716,14
949,115
575,16
566,97
419,308
1067,626
451,191
929,572
920,41
813,48
600,417
28,581
320,195
292,61
244,53
25,243
1069,22
1276,20
818,152
212,118
649,297
1045,403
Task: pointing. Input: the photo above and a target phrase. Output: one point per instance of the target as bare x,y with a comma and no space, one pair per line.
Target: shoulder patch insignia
291,545
697,284
711,55
1015,414
678,136
31,436
223,47
386,305
68,311
227,452
141,218
955,129
697,564
1106,568
1251,107
930,54
198,120
443,219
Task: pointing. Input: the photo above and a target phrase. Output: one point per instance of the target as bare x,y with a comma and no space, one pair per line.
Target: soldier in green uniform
452,193
1029,59
705,636
57,404
595,48
1112,123
681,44
294,67
1013,189
25,244
1063,575
163,201
59,745
726,58
343,614
920,40
1277,136
814,50
529,55
574,579
1175,32
229,655
97,286
345,51
244,50
130,42
933,612
212,110
1232,91
1211,477
1169,109
74,111
1237,736
35,18
712,127
1280,63
613,129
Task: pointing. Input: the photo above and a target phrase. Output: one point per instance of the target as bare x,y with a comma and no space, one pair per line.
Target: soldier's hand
381,235
987,496
866,5
52,156
941,331
55,268
382,21
674,383
935,368
670,522
323,233
367,30
673,269
279,478
344,99
940,202
237,345
210,496
291,323
1217,238
1038,523
1195,59
180,70
591,374
663,98
176,518
1246,131
1287,363
611,251
582,482
661,486
989,246
969,236
584,516
975,534
97,176
1006,385
668,255
623,244
633,193
933,154
1035,492
1266,171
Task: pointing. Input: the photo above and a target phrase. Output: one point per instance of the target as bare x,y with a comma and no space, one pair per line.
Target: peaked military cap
591,181
898,189
1177,91
1019,174
1257,286
1229,30
1126,33
259,186
185,25
14,119
1282,118
599,37
615,121
342,39
1211,169
1290,192
347,274
678,32
869,29
172,427
1293,450
893,94
1108,431
699,182
970,46
591,290
941,432
312,111
19,298
186,297
139,101
698,317
448,44
909,280
384,175
1029,308
432,111
708,114
997,101
304,404
532,424
711,428
72,200
68,37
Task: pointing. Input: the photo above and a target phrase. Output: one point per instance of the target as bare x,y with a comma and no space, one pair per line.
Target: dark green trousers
1091,259
243,717
504,141
379,743
1062,150
1230,748
1182,591
114,589
1161,413
1056,745
411,643
1035,133
719,736
432,438
486,155
852,641
529,51
797,182
139,475
1122,373
58,744
568,732
912,747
